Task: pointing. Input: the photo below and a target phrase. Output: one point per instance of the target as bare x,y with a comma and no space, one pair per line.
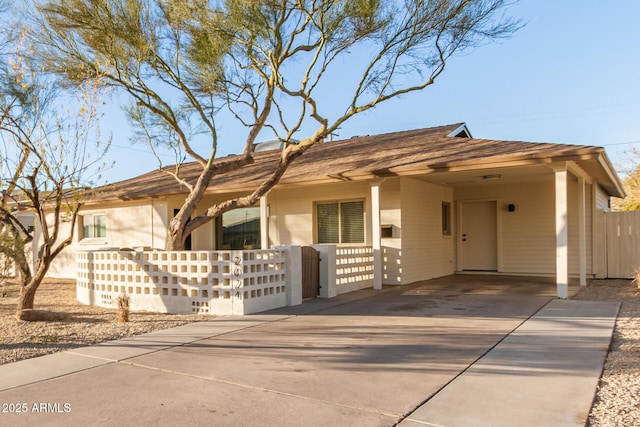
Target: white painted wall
63,265
426,253
292,210
574,236
417,249
526,240
130,225
391,215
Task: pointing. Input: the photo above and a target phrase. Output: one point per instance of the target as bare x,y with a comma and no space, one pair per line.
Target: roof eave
490,163
604,161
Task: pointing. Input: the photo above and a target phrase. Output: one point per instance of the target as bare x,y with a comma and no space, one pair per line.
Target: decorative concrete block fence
354,268
207,282
215,282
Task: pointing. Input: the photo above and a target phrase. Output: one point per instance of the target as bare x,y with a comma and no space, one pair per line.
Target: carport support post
582,220
562,235
376,234
264,223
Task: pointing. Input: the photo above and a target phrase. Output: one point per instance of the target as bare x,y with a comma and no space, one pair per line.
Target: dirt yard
84,325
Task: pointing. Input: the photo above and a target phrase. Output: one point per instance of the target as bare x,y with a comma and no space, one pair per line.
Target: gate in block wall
310,272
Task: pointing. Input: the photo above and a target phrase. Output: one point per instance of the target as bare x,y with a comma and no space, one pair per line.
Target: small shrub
123,308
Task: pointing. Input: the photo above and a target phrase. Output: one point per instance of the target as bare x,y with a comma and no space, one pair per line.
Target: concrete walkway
435,353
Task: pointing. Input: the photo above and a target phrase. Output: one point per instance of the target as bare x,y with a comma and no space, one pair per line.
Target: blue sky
571,75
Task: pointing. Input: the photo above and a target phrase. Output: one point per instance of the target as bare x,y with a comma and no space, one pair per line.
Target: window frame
220,235
341,233
94,226
446,218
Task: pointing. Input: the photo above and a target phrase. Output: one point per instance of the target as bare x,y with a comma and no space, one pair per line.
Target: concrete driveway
462,350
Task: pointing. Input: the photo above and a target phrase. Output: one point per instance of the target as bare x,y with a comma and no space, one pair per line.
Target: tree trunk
27,297
175,242
29,287
176,235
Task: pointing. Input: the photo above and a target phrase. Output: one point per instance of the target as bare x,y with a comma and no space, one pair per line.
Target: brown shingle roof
398,153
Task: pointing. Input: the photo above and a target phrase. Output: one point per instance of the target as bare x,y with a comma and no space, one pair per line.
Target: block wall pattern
205,282
354,268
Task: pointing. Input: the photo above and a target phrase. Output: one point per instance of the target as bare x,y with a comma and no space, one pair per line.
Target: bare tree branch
263,63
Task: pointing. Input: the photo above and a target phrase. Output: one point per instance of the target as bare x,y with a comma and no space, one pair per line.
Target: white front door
478,237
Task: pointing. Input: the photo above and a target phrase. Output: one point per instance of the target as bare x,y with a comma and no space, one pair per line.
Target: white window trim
91,240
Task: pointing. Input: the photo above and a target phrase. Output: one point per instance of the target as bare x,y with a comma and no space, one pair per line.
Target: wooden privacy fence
622,237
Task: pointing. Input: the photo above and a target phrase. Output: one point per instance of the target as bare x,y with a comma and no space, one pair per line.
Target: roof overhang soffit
492,163
615,179
574,169
611,184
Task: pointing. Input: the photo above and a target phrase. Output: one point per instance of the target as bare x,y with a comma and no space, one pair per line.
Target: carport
460,350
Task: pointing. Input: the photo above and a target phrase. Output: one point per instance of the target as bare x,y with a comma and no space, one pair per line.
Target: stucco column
582,233
376,235
293,277
328,285
264,223
562,234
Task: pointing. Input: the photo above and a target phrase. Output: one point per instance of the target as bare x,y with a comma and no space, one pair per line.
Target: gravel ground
85,324
616,402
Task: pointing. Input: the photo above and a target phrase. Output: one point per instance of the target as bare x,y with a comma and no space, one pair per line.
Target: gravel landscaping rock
617,401
84,325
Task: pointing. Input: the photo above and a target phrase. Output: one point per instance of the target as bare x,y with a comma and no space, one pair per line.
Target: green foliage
186,63
8,245
244,52
631,185
49,152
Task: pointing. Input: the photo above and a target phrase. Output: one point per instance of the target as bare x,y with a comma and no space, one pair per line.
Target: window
446,218
340,222
239,229
94,226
